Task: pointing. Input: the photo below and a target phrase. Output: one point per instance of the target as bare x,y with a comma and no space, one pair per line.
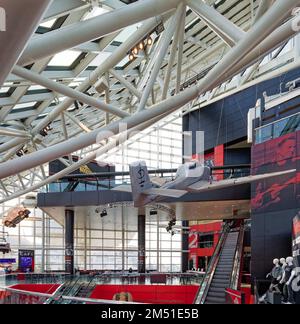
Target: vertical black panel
185,248
69,241
225,121
142,244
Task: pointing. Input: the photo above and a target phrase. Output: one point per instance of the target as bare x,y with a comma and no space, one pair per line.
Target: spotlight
44,132
135,51
131,57
103,213
141,46
149,41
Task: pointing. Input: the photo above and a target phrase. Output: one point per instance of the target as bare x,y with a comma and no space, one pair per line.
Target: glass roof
65,58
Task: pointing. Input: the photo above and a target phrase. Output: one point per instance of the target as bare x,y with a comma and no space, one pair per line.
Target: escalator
225,267
65,290
77,287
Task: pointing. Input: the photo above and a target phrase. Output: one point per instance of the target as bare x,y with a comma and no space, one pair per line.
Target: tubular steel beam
160,55
112,61
278,12
22,19
94,28
67,91
219,23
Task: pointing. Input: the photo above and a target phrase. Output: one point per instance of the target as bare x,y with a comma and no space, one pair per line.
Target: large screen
282,192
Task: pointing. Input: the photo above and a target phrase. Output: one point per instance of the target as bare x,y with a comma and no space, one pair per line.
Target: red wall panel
152,294
39,288
195,252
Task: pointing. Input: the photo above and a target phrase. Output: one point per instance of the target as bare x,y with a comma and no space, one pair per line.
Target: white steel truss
193,52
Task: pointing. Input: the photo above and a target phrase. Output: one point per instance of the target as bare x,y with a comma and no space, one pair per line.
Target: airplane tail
140,181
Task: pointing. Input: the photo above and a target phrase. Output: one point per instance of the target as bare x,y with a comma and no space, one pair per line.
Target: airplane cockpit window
192,166
180,172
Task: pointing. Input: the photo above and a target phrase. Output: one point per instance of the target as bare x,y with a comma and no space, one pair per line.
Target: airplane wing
123,188
155,191
158,181
165,192
199,187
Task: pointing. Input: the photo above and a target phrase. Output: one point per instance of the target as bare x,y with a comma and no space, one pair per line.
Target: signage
26,261
4,261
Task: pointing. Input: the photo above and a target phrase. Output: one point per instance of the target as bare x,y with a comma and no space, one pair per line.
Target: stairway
222,275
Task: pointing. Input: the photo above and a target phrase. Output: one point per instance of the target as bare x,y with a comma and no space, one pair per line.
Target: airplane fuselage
187,175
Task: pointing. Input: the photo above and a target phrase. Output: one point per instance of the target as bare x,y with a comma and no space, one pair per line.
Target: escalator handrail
207,279
236,270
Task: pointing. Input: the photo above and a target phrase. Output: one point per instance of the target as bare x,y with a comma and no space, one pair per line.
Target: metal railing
277,129
16,296
206,282
33,278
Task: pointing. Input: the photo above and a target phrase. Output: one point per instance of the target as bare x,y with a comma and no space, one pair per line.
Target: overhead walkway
224,269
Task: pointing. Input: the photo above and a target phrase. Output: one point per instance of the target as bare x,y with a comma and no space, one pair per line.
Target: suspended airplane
190,177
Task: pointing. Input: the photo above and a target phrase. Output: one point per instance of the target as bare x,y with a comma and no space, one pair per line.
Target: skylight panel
65,58
25,105
49,23
4,89
36,87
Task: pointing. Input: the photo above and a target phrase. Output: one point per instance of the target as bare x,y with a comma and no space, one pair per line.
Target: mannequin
283,263
282,282
288,277
276,275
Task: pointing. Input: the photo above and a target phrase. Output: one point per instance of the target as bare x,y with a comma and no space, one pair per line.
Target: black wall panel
225,121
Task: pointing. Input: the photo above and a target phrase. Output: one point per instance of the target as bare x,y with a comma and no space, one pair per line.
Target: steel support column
69,241
185,247
142,243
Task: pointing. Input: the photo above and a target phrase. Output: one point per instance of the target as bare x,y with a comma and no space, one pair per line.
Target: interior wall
275,202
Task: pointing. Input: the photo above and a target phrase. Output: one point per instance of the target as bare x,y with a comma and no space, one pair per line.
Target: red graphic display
277,155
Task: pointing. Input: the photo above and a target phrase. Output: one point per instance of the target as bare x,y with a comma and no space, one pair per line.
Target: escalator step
214,290
216,294
221,282
215,300
223,272
215,285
